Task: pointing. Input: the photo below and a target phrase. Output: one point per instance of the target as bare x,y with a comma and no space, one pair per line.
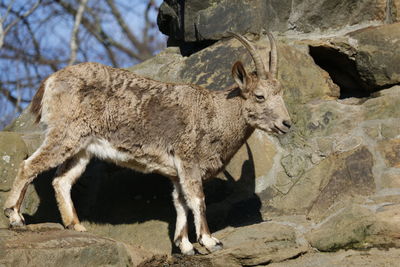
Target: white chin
265,129
270,130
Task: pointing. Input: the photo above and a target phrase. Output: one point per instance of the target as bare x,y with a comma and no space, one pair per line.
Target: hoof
216,247
188,253
17,224
77,227
15,219
185,246
8,212
211,243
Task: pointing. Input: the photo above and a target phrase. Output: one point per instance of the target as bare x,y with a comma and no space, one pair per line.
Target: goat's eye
260,98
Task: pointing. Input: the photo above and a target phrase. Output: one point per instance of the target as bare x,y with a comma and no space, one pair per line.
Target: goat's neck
233,128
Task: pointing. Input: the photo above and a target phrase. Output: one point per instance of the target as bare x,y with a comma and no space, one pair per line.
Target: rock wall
193,21
332,183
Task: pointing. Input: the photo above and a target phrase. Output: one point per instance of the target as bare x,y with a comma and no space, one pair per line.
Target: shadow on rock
233,202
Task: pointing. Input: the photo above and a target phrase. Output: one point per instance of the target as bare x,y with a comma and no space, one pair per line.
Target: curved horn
273,60
260,69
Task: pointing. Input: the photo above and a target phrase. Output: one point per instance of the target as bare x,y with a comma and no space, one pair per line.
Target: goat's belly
145,166
146,163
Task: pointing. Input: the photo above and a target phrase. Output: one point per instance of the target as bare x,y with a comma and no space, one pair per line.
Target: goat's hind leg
14,201
67,174
50,154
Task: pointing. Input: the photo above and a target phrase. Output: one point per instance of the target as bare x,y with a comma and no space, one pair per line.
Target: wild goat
182,131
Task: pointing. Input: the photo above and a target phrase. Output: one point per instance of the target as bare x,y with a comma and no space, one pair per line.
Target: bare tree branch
2,19
139,45
4,31
74,35
148,23
33,59
13,100
100,34
106,45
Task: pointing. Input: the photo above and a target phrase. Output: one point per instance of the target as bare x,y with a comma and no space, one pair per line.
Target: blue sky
54,41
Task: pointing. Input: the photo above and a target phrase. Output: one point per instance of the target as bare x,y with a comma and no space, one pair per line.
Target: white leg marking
195,207
186,247
15,218
181,216
180,238
211,243
79,227
191,184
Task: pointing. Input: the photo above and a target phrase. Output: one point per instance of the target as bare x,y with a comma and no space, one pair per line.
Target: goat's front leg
181,238
192,188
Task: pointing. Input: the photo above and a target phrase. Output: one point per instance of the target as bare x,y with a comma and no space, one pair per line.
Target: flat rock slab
48,245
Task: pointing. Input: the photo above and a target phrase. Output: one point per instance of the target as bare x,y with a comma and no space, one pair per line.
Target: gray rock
370,50
193,21
374,56
52,247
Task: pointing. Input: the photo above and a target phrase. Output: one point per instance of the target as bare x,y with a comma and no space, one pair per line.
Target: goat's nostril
287,123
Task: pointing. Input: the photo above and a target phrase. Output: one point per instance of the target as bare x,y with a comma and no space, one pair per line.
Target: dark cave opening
342,70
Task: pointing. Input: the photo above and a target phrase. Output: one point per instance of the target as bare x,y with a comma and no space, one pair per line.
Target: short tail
36,104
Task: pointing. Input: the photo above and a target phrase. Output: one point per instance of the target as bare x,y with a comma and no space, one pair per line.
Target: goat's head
264,107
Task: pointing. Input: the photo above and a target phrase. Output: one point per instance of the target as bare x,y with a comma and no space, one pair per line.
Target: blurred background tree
39,37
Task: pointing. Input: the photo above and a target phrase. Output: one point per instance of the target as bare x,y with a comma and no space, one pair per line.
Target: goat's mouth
280,130
274,129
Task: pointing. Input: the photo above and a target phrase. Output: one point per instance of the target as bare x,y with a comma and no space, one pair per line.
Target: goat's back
122,107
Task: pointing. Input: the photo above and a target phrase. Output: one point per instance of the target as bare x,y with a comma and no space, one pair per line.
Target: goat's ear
240,76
